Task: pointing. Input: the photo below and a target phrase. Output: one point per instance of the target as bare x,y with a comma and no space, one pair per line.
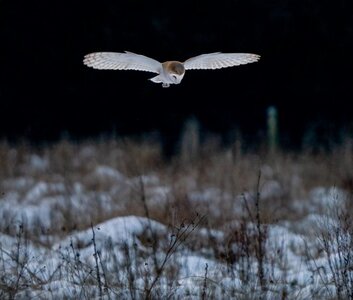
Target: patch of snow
120,230
213,233
157,195
324,199
283,243
271,189
42,189
10,197
146,179
38,163
209,195
321,200
108,172
78,188
36,259
194,265
28,214
304,226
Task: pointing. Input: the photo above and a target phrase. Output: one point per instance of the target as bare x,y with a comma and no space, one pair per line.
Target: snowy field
112,220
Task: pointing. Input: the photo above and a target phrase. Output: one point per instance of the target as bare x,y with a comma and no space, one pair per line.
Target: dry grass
228,171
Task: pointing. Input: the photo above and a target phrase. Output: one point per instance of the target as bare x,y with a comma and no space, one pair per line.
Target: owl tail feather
156,79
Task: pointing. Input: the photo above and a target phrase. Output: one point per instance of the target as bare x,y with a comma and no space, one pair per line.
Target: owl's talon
165,85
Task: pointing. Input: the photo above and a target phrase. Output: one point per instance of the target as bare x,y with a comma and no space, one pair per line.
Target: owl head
175,71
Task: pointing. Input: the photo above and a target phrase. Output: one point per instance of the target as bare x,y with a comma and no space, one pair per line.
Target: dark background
305,70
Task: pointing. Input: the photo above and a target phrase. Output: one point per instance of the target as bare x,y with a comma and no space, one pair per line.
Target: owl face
176,78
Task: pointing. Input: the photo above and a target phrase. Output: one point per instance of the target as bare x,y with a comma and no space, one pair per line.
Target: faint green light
272,129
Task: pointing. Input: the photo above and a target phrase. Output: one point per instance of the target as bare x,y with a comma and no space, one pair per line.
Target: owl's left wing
219,60
121,61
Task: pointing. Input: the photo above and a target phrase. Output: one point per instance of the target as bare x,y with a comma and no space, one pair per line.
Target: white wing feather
121,61
219,60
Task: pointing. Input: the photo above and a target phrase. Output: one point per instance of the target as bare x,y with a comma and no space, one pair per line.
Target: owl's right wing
121,61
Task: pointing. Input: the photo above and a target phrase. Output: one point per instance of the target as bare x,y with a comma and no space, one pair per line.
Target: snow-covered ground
74,239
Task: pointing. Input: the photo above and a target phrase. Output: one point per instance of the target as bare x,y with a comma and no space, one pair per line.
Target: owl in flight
169,72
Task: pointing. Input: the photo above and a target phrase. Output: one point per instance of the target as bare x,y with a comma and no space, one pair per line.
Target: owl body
169,72
172,72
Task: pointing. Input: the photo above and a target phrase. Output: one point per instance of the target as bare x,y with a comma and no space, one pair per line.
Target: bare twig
104,274
260,236
152,232
129,269
204,289
95,254
183,232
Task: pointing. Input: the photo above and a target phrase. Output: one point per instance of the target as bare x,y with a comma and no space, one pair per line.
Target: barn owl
169,72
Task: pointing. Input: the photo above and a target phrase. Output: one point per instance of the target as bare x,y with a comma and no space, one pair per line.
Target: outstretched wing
219,60
121,61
